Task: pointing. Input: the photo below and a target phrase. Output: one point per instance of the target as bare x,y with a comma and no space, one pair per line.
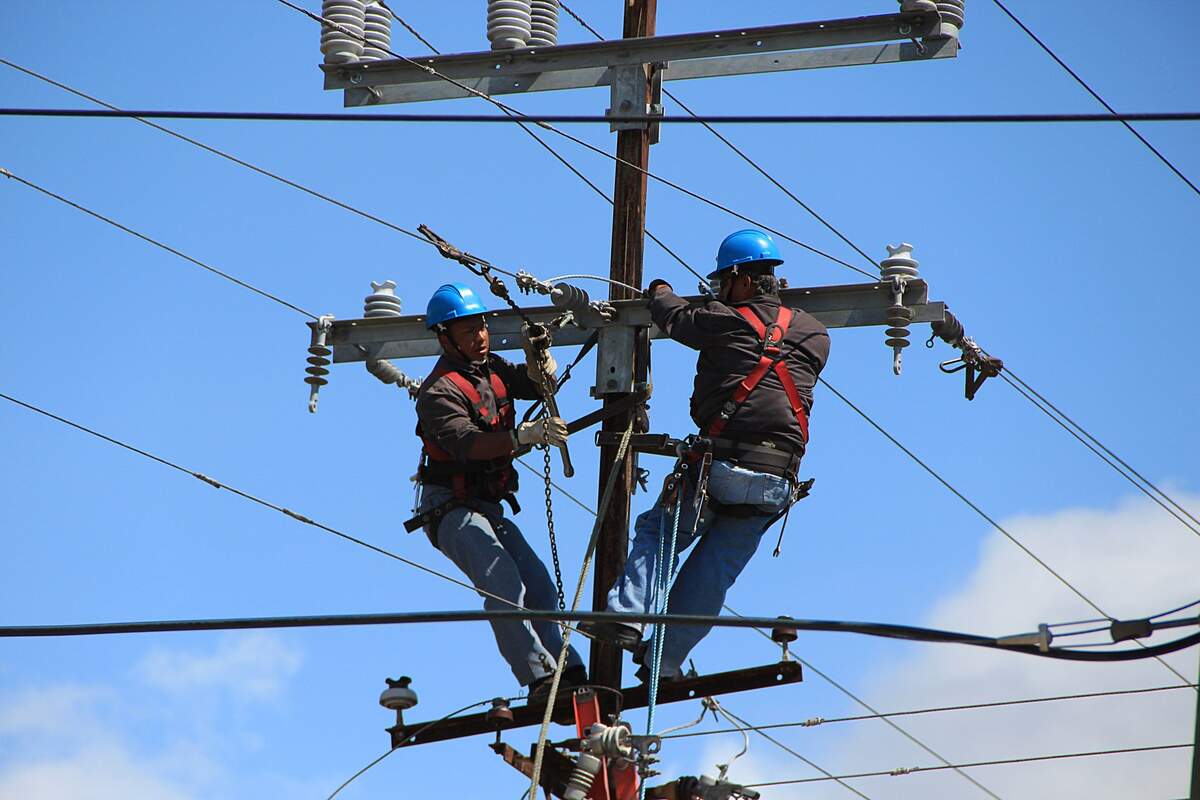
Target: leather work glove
655,285
547,430
540,366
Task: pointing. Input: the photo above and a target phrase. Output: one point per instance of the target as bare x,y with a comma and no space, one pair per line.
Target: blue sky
1064,249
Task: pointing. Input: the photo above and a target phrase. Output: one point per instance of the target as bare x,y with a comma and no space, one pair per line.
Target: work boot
627,637
643,675
539,690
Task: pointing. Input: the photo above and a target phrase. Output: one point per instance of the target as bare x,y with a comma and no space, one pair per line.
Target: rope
605,502
664,574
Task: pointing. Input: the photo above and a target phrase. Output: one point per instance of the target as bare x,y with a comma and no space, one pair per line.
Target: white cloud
105,772
1133,560
254,666
119,742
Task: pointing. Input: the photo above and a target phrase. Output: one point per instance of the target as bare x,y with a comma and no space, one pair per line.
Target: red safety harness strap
501,419
769,337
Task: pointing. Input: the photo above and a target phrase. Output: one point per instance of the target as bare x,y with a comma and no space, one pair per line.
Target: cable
8,174
221,153
1098,98
598,119
828,775
247,496
412,735
814,722
808,665
1011,377
979,511
511,112
601,278
997,762
409,28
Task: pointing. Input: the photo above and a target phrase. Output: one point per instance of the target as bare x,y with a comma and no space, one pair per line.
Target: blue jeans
494,555
724,545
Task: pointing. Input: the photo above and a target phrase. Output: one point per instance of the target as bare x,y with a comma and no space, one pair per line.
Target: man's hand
540,366
546,430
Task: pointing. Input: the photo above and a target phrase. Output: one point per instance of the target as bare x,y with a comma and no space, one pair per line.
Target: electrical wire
601,278
409,28
996,762
808,665
828,775
1108,456
252,498
412,735
238,281
816,721
1095,95
980,512
595,119
512,112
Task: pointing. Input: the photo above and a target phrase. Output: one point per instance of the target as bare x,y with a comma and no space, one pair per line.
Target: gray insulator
543,23
569,297
587,766
385,371
951,12
378,31
383,302
509,23
318,361
398,697
343,47
898,268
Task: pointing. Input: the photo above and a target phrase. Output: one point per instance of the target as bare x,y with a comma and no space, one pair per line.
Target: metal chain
562,599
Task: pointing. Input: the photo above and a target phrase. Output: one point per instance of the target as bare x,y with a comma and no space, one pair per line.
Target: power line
816,721
512,112
1095,95
996,762
600,119
252,498
1013,379
828,775
980,511
238,281
221,153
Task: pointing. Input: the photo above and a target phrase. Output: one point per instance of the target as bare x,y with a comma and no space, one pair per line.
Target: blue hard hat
452,301
752,247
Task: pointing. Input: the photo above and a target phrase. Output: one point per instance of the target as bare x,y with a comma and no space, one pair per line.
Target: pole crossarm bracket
845,306
780,674
889,39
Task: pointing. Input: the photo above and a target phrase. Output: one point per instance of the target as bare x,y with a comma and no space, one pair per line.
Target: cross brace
780,674
846,306
737,51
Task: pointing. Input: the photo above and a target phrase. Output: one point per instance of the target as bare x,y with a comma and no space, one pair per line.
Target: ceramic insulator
951,12
898,268
543,23
509,23
378,31
339,46
383,302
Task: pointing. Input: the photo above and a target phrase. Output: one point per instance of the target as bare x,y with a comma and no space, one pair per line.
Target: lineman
758,363
465,421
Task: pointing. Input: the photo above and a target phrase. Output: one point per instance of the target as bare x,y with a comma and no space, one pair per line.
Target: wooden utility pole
628,239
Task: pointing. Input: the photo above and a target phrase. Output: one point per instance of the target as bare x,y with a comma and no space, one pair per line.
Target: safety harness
769,359
493,480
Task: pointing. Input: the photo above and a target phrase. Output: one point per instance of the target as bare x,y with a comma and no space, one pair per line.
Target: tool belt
431,518
757,456
491,481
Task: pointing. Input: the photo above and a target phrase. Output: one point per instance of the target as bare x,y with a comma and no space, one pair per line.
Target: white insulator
509,23
383,302
899,262
343,44
378,32
587,767
543,23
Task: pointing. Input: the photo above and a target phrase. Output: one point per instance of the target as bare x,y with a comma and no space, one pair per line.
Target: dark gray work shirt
729,350
444,412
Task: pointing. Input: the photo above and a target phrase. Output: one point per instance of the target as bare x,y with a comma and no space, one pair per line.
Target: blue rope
660,594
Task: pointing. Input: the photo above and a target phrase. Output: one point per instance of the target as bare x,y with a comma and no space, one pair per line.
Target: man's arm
694,326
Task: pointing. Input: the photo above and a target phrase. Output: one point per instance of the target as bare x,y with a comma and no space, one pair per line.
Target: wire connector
1041,639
